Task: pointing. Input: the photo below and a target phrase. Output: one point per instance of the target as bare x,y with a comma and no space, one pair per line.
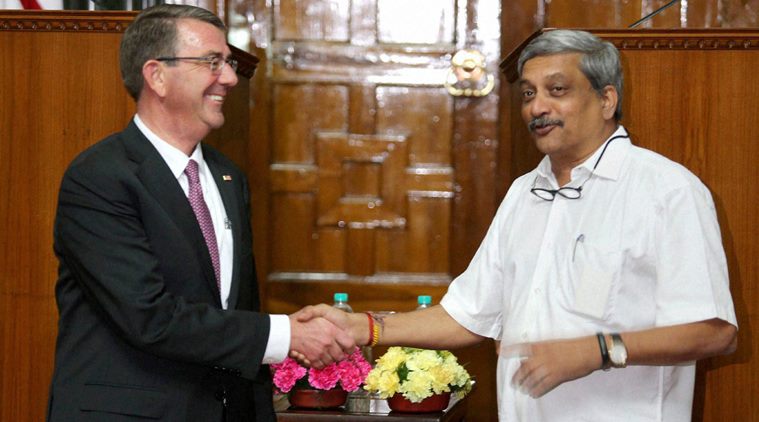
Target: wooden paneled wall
54,103
55,100
521,18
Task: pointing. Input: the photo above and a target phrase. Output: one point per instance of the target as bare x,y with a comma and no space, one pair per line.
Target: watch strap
605,361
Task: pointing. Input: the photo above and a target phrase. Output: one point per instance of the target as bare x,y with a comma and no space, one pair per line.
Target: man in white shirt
603,273
157,292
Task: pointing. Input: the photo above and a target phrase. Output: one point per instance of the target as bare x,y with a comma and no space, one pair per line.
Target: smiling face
567,118
194,95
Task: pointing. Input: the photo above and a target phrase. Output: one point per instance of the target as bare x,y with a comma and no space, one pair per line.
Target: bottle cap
341,297
424,300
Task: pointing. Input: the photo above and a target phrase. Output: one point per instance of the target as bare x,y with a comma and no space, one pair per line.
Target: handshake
322,334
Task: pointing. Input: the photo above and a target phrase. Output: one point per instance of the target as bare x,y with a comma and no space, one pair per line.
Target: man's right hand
317,342
356,325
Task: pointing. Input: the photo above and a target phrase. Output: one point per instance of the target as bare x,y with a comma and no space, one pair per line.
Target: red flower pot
435,403
317,399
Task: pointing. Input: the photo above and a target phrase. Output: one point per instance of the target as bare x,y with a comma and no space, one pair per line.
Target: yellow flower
442,377
392,359
417,374
385,382
389,383
417,387
423,360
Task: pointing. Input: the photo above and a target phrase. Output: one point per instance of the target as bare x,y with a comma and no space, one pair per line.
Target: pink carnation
353,371
326,378
350,373
287,373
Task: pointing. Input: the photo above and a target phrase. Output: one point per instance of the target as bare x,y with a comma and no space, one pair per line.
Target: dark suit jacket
141,331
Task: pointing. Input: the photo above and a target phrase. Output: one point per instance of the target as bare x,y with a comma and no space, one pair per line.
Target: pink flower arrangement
350,373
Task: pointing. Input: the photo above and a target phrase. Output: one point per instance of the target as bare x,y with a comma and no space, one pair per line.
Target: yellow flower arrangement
417,374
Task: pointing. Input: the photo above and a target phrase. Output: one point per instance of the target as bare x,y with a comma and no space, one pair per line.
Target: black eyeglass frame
215,62
576,193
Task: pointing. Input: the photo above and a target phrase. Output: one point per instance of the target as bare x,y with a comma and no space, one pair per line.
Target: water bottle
423,302
357,401
341,302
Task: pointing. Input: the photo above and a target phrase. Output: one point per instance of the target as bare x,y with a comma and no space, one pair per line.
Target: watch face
618,352
618,355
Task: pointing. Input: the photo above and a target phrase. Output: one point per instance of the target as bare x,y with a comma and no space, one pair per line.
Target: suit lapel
161,183
228,188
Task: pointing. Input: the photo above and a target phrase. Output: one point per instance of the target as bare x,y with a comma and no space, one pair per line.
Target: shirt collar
174,158
610,165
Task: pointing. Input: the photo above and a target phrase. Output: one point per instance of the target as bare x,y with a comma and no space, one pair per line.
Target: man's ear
609,100
154,75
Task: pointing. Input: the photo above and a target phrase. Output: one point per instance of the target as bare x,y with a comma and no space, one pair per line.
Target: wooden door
370,177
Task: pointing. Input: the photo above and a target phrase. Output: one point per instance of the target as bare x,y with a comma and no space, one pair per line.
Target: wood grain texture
378,182
41,130
341,57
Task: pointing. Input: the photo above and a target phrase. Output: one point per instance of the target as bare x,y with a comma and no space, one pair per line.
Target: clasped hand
320,335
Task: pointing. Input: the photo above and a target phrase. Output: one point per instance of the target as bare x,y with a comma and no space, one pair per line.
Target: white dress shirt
279,333
641,248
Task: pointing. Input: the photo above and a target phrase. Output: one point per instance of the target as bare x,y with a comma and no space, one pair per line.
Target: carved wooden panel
364,192
308,20
420,21
362,178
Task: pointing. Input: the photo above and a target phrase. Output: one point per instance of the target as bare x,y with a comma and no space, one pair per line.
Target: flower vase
317,399
434,403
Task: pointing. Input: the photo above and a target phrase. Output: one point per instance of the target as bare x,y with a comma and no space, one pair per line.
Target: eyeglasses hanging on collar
570,192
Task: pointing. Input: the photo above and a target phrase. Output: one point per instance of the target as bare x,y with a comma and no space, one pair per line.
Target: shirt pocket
594,277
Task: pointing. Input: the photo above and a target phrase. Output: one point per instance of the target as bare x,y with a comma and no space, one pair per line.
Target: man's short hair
154,34
599,63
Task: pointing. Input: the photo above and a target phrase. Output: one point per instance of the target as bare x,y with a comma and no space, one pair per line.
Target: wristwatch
617,352
605,362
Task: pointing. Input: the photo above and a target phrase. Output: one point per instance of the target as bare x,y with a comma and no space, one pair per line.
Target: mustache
543,121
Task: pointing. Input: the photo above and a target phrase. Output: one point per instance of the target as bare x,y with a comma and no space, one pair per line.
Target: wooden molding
696,39
68,21
98,21
656,39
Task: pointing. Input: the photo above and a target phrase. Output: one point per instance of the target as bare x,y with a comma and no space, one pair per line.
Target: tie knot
192,171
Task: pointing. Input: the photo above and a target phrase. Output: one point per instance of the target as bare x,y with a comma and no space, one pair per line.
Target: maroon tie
203,216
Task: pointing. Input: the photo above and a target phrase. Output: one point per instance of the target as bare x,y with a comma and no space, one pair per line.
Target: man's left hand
546,365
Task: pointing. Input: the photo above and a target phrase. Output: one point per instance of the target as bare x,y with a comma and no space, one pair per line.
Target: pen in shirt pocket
578,240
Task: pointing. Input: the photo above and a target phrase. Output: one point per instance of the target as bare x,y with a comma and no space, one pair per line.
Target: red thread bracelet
371,329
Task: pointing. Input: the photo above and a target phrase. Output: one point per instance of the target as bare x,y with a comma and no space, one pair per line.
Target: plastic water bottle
357,401
423,302
341,302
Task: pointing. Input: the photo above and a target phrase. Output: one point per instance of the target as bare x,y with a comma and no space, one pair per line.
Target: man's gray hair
154,34
599,63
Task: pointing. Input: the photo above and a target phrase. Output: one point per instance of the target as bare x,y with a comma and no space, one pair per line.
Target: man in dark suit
157,288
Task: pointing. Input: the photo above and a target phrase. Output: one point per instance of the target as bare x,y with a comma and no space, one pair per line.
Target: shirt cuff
279,339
